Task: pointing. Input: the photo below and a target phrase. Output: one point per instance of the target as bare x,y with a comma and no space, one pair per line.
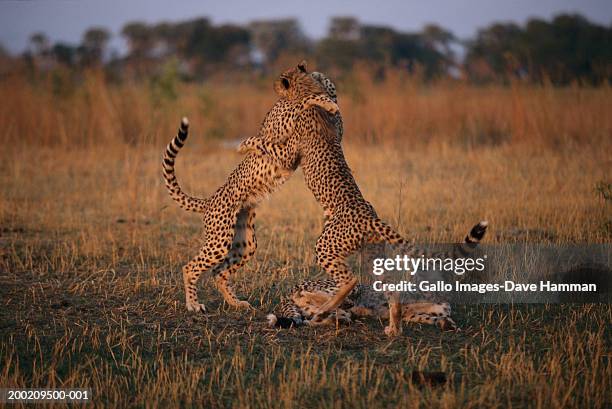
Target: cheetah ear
303,66
285,83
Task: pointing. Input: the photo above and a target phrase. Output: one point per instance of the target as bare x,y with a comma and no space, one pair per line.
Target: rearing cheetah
352,220
228,214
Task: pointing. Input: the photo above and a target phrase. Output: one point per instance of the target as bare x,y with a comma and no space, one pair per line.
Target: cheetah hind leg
208,258
346,282
309,301
314,299
243,247
335,316
337,299
191,296
335,263
437,314
395,317
212,253
227,291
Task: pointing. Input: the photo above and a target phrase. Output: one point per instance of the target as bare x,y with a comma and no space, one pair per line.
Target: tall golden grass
91,246
54,110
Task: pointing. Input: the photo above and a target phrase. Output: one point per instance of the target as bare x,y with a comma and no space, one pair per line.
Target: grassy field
91,246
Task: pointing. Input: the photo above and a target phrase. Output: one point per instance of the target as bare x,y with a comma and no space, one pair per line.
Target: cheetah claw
392,331
196,307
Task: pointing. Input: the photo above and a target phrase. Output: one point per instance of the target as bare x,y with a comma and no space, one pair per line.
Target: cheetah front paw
447,324
345,320
392,331
344,317
244,304
333,109
195,307
244,148
249,145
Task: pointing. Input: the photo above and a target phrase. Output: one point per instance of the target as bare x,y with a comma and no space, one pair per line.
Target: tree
271,37
572,48
166,37
344,29
212,44
39,44
64,54
499,47
140,38
378,43
38,56
565,49
412,50
383,46
93,45
439,39
342,46
229,40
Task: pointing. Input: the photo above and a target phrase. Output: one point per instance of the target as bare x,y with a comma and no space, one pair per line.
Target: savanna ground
91,246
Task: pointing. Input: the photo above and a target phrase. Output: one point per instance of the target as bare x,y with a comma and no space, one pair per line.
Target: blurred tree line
565,49
568,48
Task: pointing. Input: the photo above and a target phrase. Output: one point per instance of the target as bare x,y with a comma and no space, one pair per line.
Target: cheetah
228,214
351,220
363,301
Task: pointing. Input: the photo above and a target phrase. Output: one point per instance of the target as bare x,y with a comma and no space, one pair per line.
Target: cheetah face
297,82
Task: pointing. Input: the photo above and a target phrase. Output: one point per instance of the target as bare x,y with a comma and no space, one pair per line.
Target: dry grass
91,247
399,109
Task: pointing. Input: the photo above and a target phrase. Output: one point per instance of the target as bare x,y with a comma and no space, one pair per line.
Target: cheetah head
297,82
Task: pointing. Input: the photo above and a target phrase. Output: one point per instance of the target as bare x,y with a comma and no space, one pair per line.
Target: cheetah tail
187,202
477,233
283,322
386,232
471,241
